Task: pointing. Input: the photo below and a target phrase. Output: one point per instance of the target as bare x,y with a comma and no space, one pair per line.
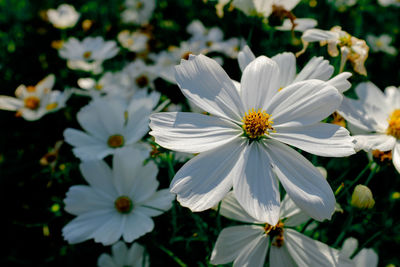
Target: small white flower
247,245
124,257
142,76
381,44
33,102
263,8
301,24
89,54
138,11
342,5
133,41
65,16
118,202
375,117
386,3
366,257
110,124
243,143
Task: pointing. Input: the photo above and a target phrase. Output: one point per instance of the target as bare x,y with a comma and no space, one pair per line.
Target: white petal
280,257
255,186
110,231
304,103
315,35
293,214
135,254
260,81
192,132
158,203
81,199
349,247
302,181
317,68
396,156
105,260
95,152
231,209
137,124
366,257
254,254
393,96
232,241
245,56
206,84
370,142
340,81
204,180
322,139
10,103
137,224
287,68
119,252
308,252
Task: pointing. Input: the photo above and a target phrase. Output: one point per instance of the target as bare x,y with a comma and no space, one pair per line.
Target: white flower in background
351,48
247,245
386,3
375,118
33,102
317,68
138,11
118,202
124,257
65,16
110,124
263,8
142,76
366,257
301,25
89,54
243,143
381,44
342,5
133,41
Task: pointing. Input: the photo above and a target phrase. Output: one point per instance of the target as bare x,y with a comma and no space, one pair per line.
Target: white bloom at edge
243,143
263,8
110,124
118,202
65,16
133,41
33,102
381,43
124,257
89,54
376,118
247,245
366,257
301,24
386,3
138,11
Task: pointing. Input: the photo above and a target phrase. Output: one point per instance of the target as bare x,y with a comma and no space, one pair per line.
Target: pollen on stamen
123,204
257,123
115,141
275,233
32,102
394,124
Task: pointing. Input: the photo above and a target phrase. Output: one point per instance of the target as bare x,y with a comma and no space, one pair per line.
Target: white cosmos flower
366,257
376,117
386,3
65,16
243,143
133,41
124,257
89,54
263,8
381,43
247,245
118,202
138,11
109,124
33,102
301,24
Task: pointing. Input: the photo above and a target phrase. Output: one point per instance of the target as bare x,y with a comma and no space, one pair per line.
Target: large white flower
124,257
117,202
33,102
89,54
247,245
242,143
110,124
376,116
366,257
65,16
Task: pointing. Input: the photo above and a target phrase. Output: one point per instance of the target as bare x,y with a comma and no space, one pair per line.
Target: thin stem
355,180
372,174
344,231
172,255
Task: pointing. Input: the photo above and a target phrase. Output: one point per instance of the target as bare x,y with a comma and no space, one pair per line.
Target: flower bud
362,197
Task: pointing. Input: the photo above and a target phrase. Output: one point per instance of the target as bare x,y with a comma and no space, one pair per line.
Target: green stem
372,174
355,180
172,255
306,225
344,231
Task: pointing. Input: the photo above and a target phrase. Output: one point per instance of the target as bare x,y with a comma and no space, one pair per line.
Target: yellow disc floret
394,124
123,204
275,233
115,141
256,123
32,102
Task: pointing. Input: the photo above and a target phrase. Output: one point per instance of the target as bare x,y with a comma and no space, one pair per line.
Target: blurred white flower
386,3
138,11
342,5
65,16
118,202
375,117
33,102
133,41
301,25
247,245
263,8
366,257
110,124
142,76
243,143
89,54
124,257
381,44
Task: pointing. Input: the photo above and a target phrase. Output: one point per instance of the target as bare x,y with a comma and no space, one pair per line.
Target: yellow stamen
256,123
394,124
98,87
87,54
52,106
275,233
115,141
31,89
123,204
382,156
32,102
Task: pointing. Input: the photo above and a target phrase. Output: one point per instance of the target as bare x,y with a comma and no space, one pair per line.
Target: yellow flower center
142,81
123,204
256,123
382,156
379,43
275,233
98,87
87,54
52,106
394,124
31,89
115,141
32,102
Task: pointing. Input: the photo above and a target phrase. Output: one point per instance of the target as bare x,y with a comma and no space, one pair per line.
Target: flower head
381,43
138,11
65,16
123,257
